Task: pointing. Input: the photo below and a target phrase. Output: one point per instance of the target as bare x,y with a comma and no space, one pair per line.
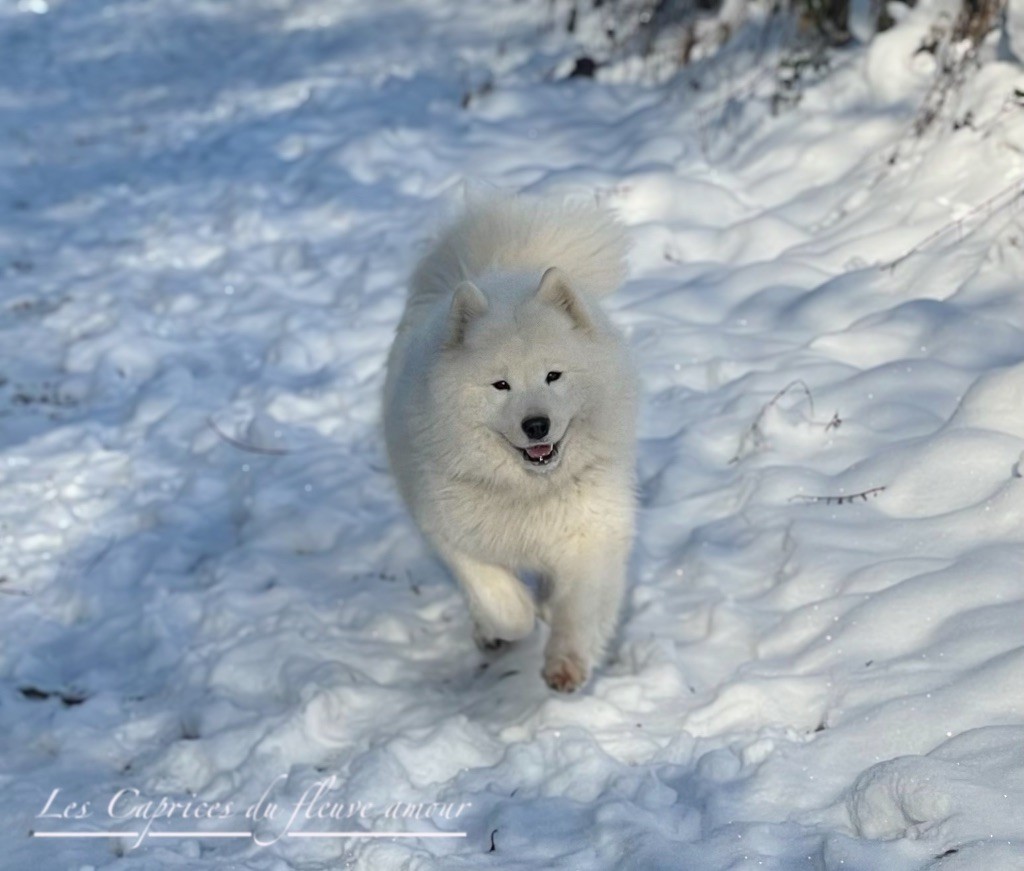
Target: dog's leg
583,610
544,589
500,604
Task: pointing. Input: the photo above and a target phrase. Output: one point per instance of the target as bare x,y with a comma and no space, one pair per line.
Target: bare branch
843,499
966,224
242,446
754,438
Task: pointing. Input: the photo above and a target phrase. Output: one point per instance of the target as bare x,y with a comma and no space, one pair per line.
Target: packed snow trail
209,589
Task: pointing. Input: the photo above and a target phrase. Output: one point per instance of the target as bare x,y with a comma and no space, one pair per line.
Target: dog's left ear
556,290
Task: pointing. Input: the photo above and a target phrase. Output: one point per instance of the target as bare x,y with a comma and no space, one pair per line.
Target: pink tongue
539,452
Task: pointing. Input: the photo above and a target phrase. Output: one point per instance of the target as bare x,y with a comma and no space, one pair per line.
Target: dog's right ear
468,303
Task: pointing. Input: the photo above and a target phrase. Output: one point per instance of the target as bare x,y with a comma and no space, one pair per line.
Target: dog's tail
526,233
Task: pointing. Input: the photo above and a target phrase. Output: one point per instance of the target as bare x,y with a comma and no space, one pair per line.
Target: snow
208,213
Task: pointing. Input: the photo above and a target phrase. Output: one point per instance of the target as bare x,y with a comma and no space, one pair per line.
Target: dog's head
532,381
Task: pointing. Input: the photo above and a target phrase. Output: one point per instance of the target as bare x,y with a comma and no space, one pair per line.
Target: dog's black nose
536,427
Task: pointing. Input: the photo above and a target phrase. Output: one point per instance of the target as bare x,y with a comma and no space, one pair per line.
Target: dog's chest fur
527,534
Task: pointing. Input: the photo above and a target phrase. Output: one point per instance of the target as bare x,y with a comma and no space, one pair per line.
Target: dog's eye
553,376
501,385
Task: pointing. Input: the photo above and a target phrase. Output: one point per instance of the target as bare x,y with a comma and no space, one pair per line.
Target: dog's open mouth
539,455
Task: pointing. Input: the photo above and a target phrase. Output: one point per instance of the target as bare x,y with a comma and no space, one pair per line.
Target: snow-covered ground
207,213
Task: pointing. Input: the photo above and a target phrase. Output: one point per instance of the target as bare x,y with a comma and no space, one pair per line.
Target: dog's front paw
565,673
486,643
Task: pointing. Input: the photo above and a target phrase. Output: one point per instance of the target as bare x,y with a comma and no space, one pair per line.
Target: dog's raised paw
565,674
487,644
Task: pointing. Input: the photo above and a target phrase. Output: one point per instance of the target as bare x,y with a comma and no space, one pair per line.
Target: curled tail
526,233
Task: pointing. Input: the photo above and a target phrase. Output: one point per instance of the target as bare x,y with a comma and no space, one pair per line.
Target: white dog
510,410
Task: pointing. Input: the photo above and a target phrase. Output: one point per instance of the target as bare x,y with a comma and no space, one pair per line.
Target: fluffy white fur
486,307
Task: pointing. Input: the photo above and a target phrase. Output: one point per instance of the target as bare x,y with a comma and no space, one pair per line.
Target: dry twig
966,224
242,446
754,438
843,499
